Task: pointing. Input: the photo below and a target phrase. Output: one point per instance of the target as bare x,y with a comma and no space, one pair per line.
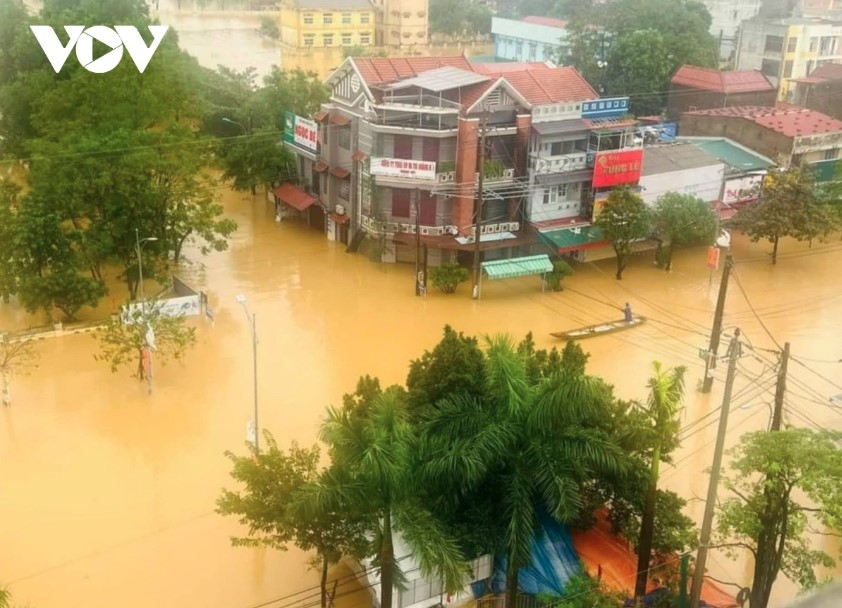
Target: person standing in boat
627,311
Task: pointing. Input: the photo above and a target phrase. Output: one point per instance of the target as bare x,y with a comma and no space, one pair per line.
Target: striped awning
517,267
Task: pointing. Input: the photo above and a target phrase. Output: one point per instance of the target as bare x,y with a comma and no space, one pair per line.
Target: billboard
402,167
617,167
742,189
185,306
605,108
301,132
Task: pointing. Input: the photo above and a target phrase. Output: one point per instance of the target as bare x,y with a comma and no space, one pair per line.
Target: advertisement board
185,306
606,108
401,167
742,189
617,167
301,132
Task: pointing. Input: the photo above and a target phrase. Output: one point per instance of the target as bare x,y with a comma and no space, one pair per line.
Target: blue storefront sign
606,108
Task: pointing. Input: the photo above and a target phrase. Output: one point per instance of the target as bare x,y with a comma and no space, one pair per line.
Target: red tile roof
536,81
786,121
828,71
549,21
706,79
379,70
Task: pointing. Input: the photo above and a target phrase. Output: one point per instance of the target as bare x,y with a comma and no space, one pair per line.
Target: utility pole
707,521
417,242
780,389
710,360
478,207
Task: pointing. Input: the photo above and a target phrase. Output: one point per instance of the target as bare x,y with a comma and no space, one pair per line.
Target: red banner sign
617,168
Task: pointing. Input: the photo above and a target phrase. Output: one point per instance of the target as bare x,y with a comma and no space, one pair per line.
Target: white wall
567,208
704,183
726,16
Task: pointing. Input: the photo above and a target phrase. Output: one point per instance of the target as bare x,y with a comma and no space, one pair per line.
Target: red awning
338,119
294,196
320,116
340,172
320,166
358,156
340,219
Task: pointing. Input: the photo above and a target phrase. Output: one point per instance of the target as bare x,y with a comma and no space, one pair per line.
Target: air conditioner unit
340,209
392,227
484,229
438,230
426,230
508,174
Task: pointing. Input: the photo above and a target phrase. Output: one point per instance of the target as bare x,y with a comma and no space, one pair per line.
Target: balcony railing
542,165
422,100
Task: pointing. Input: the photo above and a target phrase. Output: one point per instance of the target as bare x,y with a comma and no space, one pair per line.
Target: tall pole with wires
780,390
713,485
478,206
710,359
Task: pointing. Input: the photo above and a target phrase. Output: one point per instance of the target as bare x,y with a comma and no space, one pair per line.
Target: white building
529,39
727,15
680,167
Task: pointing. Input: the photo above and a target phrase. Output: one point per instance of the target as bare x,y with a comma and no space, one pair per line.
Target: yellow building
313,24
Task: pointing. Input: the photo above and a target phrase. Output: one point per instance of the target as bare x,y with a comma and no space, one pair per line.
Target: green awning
517,267
578,237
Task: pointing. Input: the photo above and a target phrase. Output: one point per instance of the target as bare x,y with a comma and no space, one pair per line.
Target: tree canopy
784,485
624,220
681,220
789,206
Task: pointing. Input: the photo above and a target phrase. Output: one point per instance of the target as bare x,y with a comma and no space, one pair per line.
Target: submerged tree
681,220
271,480
124,338
624,221
16,358
785,485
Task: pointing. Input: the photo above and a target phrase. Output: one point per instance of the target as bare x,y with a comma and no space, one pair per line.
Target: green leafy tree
624,221
9,262
448,276
788,206
64,288
270,479
17,357
639,62
373,473
269,28
447,18
525,438
556,276
681,220
123,339
666,392
784,485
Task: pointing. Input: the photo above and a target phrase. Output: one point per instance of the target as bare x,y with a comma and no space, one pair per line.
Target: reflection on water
108,493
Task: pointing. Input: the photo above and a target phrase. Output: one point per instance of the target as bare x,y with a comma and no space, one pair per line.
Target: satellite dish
724,239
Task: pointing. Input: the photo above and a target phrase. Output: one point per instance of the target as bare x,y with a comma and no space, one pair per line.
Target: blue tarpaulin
553,562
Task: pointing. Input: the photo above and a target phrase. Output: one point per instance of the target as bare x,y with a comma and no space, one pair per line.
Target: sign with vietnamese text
301,132
617,168
605,108
742,189
401,167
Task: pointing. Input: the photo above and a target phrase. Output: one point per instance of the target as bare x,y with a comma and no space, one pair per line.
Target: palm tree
666,392
536,439
372,473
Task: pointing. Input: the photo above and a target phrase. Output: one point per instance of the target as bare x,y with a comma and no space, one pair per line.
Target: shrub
448,276
560,270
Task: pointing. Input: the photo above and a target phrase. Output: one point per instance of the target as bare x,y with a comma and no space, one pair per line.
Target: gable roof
380,70
706,79
790,122
828,71
542,83
548,21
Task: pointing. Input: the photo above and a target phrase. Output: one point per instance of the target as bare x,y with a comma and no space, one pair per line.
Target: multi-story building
788,49
790,136
726,16
821,90
327,23
401,23
695,88
529,39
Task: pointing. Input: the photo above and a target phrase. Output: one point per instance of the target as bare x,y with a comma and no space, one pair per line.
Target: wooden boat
600,329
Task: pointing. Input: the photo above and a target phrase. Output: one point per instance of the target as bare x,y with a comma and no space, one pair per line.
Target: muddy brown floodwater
107,494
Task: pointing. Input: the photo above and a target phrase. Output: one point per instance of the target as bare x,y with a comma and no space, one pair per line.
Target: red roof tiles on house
706,79
786,121
827,71
379,70
549,21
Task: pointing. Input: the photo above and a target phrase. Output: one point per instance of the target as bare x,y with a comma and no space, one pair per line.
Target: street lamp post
252,319
251,150
149,335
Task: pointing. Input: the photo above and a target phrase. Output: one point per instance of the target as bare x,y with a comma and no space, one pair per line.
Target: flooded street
107,493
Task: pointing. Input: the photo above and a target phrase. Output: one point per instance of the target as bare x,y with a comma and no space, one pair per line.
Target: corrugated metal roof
675,157
730,153
440,79
517,267
557,127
